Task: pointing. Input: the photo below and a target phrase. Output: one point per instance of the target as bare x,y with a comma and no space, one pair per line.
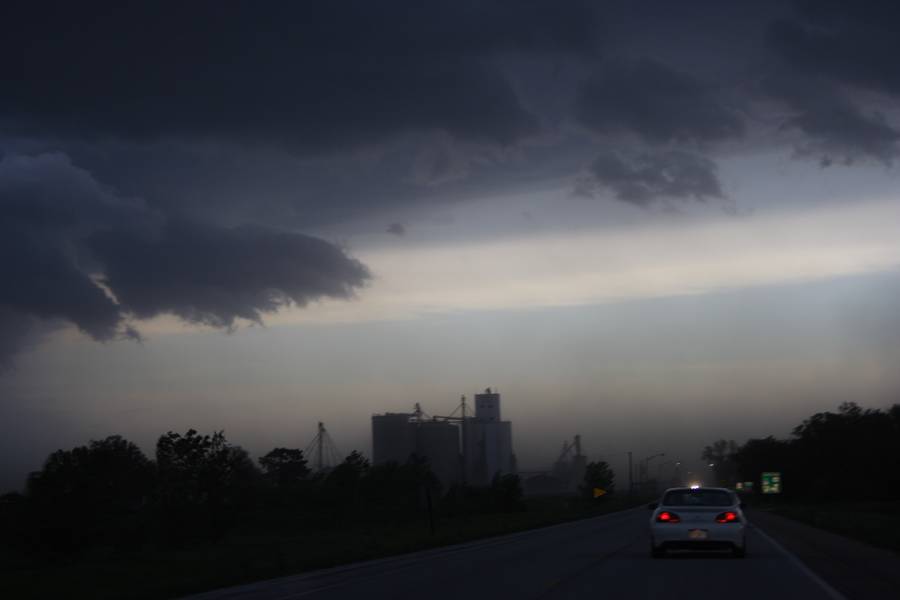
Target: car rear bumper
699,546
717,536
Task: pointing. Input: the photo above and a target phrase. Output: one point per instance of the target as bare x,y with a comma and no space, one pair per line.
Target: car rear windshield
697,498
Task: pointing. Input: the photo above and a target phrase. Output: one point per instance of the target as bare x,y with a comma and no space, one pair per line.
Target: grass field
876,523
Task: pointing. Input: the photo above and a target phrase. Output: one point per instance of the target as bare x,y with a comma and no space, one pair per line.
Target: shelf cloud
74,251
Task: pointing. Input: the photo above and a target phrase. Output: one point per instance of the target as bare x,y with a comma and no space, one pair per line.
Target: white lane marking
826,587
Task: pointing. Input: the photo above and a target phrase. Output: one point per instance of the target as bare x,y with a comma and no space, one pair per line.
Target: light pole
630,479
647,466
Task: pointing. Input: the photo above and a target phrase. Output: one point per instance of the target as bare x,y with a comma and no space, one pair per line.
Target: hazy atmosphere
656,224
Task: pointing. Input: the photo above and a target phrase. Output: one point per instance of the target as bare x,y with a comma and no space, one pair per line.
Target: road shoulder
857,570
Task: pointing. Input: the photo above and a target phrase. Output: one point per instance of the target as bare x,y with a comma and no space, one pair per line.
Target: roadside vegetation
105,521
840,471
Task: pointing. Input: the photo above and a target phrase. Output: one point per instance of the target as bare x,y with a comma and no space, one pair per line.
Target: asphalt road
602,557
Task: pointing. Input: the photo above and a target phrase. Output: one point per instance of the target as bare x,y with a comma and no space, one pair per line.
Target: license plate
697,534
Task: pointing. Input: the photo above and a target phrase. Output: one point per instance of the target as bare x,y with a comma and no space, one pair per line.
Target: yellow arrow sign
599,492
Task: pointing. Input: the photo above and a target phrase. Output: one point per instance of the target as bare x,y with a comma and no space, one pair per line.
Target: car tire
657,552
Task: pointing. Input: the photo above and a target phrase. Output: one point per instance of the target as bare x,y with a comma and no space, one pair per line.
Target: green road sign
771,482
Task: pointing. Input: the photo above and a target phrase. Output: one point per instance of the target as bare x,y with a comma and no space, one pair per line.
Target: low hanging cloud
646,177
834,126
46,205
73,251
655,102
215,276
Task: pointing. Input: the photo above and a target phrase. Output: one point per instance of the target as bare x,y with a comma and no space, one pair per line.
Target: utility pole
465,464
630,478
647,467
321,438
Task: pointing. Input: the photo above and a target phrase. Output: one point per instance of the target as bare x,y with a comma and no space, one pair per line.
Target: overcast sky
652,223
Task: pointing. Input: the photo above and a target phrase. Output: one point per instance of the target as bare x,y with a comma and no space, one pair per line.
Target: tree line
197,488
850,454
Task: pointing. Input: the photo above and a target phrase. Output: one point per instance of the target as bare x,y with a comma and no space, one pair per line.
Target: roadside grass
249,553
875,523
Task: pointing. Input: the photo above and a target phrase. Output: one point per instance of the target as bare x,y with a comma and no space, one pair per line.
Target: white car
698,518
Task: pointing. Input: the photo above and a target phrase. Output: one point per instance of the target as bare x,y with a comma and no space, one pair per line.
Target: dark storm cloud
656,102
854,42
223,114
833,124
214,276
646,177
44,280
64,237
310,76
45,205
831,52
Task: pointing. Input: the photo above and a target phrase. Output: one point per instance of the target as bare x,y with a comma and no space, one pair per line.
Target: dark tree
111,474
506,491
203,481
597,475
396,491
285,467
342,486
91,493
757,456
852,453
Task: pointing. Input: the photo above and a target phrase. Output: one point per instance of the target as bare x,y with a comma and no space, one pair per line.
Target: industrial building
488,441
565,477
470,449
398,436
393,438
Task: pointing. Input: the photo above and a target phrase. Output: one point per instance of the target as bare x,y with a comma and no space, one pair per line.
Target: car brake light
727,517
667,517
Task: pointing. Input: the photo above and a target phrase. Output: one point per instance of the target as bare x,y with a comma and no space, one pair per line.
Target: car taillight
667,517
727,517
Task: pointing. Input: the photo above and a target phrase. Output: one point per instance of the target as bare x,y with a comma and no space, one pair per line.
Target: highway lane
603,557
